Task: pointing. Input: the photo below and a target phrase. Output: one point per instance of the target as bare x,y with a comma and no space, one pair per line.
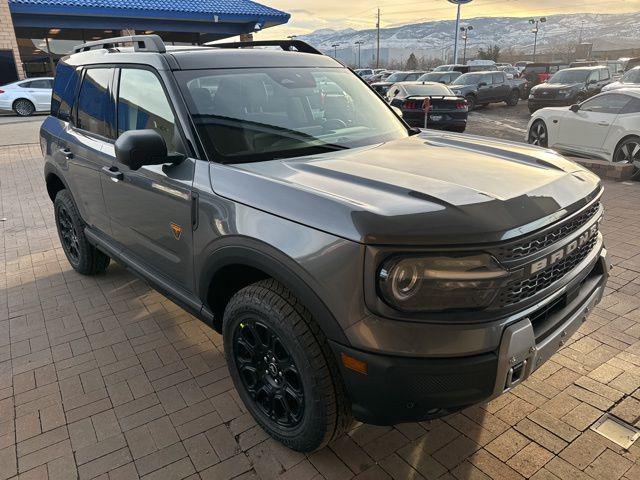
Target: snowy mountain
435,39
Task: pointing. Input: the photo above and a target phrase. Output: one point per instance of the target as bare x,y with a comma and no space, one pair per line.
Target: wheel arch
625,137
242,262
54,181
13,104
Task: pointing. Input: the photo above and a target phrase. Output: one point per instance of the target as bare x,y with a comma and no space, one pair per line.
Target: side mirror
575,108
482,84
136,148
592,82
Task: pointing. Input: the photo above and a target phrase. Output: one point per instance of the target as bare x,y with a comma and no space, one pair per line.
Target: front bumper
401,389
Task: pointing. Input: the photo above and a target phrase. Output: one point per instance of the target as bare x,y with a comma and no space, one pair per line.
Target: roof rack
287,45
141,43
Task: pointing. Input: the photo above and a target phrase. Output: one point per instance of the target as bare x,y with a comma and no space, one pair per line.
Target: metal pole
535,41
455,45
51,64
378,41
464,55
359,66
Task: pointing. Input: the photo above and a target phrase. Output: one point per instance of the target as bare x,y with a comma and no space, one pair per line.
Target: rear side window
95,111
632,107
64,91
41,84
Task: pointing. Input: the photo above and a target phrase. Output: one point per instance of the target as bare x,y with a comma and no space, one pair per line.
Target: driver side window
609,103
143,104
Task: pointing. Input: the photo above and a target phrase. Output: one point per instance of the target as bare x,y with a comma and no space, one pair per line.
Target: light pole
335,50
359,43
459,3
536,29
465,35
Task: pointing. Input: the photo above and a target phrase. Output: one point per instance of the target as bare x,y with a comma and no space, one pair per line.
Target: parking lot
103,377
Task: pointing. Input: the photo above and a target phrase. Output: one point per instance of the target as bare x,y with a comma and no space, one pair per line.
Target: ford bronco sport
356,267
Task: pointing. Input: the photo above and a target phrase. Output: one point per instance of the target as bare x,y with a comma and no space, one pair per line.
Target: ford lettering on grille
558,255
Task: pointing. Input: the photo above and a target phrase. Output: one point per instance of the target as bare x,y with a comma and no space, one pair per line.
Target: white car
26,97
631,79
606,127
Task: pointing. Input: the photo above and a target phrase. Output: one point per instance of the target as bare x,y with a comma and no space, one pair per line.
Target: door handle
603,124
113,173
68,154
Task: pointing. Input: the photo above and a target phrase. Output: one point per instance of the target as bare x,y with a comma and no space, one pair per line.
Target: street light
359,43
335,50
536,29
455,35
465,35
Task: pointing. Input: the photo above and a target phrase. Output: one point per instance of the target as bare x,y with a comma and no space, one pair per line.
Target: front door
150,208
585,131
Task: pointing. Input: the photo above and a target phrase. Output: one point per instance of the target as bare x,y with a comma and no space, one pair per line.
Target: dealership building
34,34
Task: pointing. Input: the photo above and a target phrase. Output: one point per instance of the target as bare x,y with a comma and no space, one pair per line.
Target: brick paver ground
103,377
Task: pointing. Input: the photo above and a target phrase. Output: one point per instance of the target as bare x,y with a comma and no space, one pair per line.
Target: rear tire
83,257
538,134
23,107
283,367
628,151
513,99
471,102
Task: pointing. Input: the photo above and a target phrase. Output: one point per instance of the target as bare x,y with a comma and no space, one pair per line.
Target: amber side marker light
354,364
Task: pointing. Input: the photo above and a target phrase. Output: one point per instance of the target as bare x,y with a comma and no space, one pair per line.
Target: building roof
211,7
210,19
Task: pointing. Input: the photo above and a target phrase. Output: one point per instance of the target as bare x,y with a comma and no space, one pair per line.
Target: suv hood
558,86
432,188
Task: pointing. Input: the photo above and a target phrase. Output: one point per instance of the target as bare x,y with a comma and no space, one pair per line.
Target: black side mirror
482,84
136,148
575,108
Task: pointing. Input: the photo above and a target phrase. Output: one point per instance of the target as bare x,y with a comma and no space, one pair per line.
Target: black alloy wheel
538,134
268,372
629,152
68,235
23,107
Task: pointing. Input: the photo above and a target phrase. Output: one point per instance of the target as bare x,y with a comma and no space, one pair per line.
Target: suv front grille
530,246
519,291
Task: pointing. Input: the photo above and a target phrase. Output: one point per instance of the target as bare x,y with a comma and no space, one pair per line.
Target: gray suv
357,268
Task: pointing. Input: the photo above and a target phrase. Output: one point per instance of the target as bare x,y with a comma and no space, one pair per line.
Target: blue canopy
214,18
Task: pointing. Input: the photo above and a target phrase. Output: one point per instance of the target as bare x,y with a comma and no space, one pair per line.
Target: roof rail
288,45
141,43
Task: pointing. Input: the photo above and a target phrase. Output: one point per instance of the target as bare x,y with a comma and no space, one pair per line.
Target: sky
310,15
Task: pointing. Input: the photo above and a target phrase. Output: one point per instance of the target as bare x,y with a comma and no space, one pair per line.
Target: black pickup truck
482,88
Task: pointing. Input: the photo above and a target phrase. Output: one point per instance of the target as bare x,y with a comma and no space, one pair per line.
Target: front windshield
570,76
250,115
433,89
467,79
632,76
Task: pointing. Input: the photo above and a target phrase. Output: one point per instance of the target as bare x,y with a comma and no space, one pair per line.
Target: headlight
438,282
564,93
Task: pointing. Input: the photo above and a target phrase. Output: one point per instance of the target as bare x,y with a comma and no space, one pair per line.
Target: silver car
26,97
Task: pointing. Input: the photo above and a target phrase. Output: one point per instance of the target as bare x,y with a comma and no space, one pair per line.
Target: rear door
41,92
501,89
90,133
586,130
485,89
151,208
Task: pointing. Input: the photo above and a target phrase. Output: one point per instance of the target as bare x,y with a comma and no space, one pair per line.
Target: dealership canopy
210,19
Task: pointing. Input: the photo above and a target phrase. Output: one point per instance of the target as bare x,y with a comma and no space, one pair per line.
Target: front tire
23,107
628,151
538,134
283,368
83,257
513,99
